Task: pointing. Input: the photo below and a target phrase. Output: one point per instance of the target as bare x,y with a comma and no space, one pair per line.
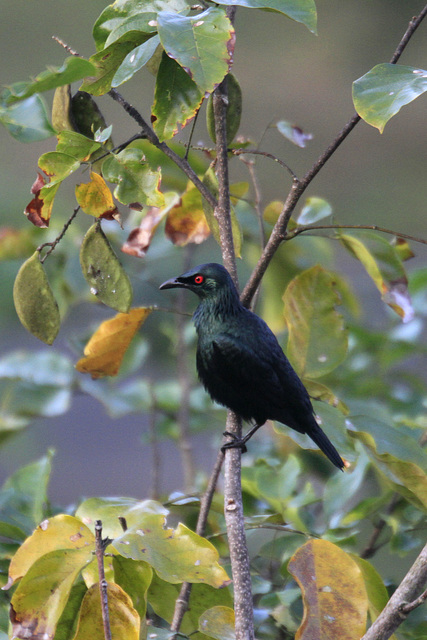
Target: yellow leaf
105,350
95,198
124,620
60,532
333,591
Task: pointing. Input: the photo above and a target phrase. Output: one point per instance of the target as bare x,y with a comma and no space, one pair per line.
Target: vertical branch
239,555
100,545
222,210
233,503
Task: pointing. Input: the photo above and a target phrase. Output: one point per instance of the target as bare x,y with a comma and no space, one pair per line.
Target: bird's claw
235,443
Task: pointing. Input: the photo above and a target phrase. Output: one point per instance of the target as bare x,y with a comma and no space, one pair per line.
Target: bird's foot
235,443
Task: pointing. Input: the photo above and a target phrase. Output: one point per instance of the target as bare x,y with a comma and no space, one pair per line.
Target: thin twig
299,186
410,606
58,239
373,227
372,546
266,154
100,546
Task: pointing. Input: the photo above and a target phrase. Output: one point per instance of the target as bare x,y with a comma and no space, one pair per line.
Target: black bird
240,362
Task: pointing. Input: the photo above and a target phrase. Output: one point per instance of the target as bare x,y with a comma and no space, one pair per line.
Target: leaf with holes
102,270
136,182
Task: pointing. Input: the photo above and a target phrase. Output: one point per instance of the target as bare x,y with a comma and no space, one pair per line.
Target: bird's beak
172,284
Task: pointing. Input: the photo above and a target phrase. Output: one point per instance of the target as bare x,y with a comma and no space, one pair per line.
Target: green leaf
233,111
375,589
162,597
27,489
135,60
107,62
58,166
176,100
397,456
42,594
144,22
27,121
314,209
317,341
383,264
303,11
77,145
102,270
177,555
67,624
120,11
74,68
385,89
34,301
134,578
203,44
136,181
218,623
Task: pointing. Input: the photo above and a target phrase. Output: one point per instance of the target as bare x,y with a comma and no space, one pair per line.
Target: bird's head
206,280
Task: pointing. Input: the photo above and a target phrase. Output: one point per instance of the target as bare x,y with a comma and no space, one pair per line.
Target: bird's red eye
198,279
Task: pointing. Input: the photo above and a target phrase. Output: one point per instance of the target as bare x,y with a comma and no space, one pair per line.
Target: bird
240,362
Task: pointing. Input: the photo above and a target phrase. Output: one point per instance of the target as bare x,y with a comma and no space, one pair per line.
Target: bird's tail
325,445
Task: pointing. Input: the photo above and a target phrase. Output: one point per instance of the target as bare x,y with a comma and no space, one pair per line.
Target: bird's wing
248,375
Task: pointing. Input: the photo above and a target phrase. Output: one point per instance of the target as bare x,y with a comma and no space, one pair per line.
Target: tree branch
299,186
148,133
402,602
222,211
100,545
315,227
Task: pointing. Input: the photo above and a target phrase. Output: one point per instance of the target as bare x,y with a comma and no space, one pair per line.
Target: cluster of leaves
190,52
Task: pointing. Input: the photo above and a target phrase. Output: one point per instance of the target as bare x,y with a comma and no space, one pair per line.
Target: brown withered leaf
186,221
140,238
38,183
